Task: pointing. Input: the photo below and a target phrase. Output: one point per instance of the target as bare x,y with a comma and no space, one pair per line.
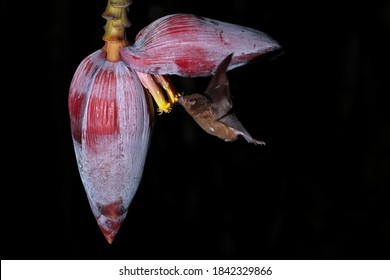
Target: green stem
117,22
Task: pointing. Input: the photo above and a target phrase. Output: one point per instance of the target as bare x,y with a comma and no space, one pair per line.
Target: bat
213,110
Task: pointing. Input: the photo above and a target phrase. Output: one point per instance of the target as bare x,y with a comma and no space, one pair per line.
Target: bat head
193,102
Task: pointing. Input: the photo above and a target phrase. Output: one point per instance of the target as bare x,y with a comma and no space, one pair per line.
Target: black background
319,189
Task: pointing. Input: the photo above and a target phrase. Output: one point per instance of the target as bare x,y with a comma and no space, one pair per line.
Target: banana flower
110,106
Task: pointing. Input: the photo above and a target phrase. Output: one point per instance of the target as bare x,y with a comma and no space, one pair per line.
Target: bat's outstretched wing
218,90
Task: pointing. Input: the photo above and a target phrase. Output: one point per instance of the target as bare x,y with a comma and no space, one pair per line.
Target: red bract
111,124
188,45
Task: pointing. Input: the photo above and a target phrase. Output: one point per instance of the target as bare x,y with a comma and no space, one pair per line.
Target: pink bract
111,122
189,45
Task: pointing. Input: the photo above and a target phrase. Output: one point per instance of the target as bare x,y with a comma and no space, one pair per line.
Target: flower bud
188,45
111,123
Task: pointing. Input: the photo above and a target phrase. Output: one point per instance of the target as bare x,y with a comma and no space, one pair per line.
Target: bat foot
253,141
262,143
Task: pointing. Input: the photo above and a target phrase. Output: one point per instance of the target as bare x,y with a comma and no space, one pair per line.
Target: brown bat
212,111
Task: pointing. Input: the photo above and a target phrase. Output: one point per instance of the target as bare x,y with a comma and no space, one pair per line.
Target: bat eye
192,101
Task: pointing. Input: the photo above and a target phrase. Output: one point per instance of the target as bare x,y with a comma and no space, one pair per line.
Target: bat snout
181,100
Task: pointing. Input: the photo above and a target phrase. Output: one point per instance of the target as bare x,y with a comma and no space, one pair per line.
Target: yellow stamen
164,81
152,83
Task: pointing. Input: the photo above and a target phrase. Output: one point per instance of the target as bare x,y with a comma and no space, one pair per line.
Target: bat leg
250,139
234,124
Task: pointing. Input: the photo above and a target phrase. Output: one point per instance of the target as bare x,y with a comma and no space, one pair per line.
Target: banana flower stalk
110,105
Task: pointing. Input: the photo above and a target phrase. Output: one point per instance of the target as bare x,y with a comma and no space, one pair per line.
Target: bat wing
232,121
218,90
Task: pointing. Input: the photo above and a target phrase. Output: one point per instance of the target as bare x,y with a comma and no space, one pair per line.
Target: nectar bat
212,111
